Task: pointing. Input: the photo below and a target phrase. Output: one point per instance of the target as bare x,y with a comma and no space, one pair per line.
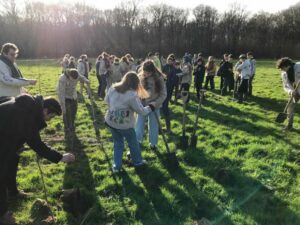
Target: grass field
245,170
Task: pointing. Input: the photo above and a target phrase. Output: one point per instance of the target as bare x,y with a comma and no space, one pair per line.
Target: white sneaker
142,163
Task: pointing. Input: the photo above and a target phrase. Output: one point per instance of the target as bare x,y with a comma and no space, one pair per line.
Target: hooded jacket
21,119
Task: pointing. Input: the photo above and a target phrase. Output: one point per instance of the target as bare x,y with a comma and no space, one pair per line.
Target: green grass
245,170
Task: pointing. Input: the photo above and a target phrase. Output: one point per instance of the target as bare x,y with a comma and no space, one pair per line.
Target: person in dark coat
199,73
169,71
220,72
21,119
226,70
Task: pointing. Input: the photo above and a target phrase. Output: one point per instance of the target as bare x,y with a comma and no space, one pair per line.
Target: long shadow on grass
271,104
96,115
243,125
250,196
79,175
198,204
146,211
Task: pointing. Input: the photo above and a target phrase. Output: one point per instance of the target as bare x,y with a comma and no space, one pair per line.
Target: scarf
16,73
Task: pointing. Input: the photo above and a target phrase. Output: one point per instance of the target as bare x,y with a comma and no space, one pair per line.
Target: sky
252,6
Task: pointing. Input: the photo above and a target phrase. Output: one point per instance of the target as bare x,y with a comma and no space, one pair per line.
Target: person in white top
83,69
123,100
11,79
245,73
67,94
253,71
12,84
290,78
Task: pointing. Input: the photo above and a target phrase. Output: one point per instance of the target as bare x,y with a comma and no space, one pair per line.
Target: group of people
22,117
144,87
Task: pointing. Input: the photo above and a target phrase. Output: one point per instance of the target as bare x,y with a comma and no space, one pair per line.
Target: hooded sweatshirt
288,86
122,107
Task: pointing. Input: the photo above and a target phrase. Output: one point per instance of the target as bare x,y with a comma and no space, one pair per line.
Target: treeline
42,30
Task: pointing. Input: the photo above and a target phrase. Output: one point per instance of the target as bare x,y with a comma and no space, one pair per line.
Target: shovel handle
198,111
184,95
162,133
291,99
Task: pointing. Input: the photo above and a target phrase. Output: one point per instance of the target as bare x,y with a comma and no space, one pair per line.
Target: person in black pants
21,120
231,77
169,71
199,73
220,73
226,70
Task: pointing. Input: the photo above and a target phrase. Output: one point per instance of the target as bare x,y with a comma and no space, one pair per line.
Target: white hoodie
287,86
245,69
121,109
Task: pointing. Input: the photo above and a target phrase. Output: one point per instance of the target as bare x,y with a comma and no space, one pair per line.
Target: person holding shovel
21,120
153,81
67,94
290,78
123,100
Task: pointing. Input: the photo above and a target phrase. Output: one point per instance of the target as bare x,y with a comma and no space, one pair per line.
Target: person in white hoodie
11,79
67,94
123,101
116,73
245,73
290,78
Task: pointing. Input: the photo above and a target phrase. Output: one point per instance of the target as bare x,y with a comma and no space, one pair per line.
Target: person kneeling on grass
290,78
123,101
21,119
67,94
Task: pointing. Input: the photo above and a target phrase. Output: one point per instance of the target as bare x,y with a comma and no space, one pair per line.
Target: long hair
131,81
124,59
210,64
148,66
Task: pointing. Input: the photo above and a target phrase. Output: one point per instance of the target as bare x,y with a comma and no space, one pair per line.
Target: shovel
184,139
170,156
194,138
281,117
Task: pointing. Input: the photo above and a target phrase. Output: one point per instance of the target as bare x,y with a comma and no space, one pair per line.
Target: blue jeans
118,139
152,127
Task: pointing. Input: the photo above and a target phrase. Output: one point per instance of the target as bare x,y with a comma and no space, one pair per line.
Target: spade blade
193,143
184,141
172,160
281,117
